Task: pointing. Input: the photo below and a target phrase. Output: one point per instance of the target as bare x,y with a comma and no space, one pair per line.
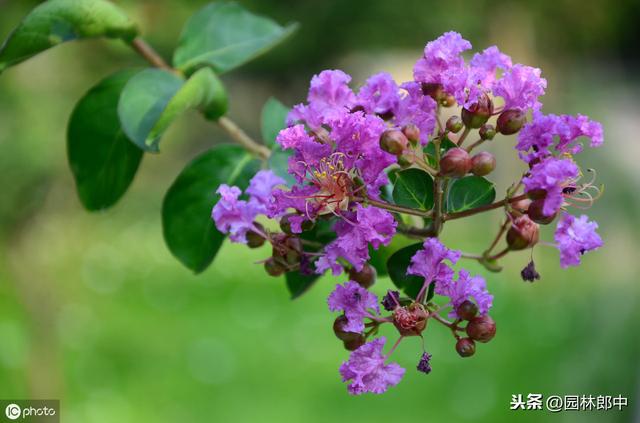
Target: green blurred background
95,311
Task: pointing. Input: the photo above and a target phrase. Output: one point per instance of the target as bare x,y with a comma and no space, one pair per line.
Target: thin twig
496,205
394,207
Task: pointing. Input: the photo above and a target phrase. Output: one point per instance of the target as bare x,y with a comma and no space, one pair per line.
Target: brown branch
496,205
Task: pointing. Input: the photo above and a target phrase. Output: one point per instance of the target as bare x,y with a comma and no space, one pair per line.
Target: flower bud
510,121
393,141
338,328
487,132
410,320
273,267
365,277
285,224
524,233
412,132
467,310
466,347
455,163
354,344
536,214
432,90
404,162
481,329
520,207
483,163
448,100
254,239
454,124
478,113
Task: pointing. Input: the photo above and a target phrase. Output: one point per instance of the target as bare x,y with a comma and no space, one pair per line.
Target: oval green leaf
56,21
102,159
413,188
397,268
430,150
154,98
188,229
470,192
278,162
225,36
272,120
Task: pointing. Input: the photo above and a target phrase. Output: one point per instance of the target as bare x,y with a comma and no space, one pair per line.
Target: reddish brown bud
273,267
410,320
487,132
478,113
520,207
466,347
365,277
481,329
467,310
483,163
412,132
524,233
354,344
536,214
254,239
393,141
433,90
338,328
454,124
455,163
510,121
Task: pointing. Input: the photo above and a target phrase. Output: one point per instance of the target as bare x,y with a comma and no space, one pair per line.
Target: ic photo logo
13,411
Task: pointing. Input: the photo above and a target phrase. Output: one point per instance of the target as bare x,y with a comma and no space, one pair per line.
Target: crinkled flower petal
234,216
430,262
520,86
551,175
355,302
574,237
466,288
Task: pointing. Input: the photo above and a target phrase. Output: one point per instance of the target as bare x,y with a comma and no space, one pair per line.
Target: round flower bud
519,207
341,334
478,113
448,100
483,163
535,213
254,239
412,132
487,132
410,320
432,90
467,310
273,267
354,344
466,347
510,121
524,233
454,124
404,162
455,163
393,141
365,278
481,329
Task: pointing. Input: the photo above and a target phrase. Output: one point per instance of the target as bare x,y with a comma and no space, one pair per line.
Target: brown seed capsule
481,329
393,141
536,214
478,113
467,310
455,163
524,233
338,328
410,320
483,163
510,121
354,344
273,267
365,277
254,239
466,347
454,124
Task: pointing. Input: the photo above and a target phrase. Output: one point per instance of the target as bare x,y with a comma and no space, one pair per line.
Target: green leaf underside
413,188
278,162
272,120
154,98
56,21
188,229
102,159
397,267
225,36
469,192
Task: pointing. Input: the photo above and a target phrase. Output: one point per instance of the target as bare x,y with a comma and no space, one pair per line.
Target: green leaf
298,284
102,159
188,229
430,150
397,267
470,192
272,120
225,36
154,98
278,162
378,258
413,188
56,21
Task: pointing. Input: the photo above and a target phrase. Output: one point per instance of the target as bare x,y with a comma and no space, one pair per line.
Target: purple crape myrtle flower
550,134
520,87
367,371
430,262
416,108
367,226
551,175
466,288
329,97
391,300
379,95
484,65
261,187
355,302
424,364
574,237
442,58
